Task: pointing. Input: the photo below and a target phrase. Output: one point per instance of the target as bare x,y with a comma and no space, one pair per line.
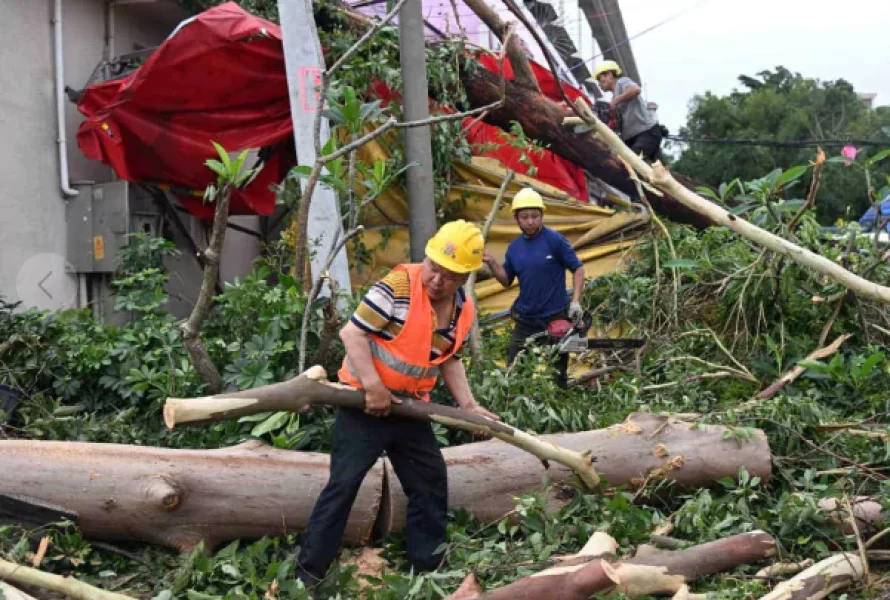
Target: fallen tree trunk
486,477
312,388
659,573
178,498
819,581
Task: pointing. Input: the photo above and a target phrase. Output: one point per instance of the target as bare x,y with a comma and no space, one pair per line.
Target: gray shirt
635,117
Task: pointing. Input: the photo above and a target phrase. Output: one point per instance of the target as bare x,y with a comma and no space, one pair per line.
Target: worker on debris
638,128
539,258
407,329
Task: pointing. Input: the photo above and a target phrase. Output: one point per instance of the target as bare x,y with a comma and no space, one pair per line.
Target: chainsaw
572,337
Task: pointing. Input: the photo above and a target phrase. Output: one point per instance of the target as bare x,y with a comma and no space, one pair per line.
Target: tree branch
470,286
522,70
316,288
69,586
312,388
190,331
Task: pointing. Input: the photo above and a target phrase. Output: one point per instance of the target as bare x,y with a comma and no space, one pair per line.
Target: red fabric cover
221,77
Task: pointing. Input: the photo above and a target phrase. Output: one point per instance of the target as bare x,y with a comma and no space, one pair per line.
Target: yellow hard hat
457,246
605,66
527,198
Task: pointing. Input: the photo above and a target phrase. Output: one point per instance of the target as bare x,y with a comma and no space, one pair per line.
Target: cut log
659,573
870,518
312,388
486,477
178,498
819,581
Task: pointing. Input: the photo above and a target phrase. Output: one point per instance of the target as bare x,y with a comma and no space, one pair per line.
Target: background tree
782,106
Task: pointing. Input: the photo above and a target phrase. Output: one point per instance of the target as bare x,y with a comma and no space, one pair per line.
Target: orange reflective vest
404,362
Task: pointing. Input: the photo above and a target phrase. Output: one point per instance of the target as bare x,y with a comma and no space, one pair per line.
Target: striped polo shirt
384,308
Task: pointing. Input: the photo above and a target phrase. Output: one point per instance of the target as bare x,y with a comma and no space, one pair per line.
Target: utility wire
776,143
647,30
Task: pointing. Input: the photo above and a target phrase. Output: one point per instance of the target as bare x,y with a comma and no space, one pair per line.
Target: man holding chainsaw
637,127
539,258
407,330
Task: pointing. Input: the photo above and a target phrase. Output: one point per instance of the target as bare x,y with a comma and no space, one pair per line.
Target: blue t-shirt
540,263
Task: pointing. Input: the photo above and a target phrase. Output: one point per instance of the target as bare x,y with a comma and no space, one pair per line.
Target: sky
709,46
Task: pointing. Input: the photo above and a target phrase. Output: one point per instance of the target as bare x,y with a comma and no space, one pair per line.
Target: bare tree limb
300,241
814,188
316,288
69,586
798,370
190,331
311,388
475,335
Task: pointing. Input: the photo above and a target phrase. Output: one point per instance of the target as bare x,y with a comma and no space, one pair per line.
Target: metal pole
418,142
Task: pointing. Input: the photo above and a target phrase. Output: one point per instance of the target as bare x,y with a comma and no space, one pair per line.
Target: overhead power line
776,143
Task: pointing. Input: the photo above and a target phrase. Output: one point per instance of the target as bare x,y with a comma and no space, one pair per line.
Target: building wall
32,208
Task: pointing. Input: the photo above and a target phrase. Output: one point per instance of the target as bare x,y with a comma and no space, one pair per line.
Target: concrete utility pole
303,64
418,142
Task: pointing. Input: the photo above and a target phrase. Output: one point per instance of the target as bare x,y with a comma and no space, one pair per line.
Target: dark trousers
523,328
359,440
647,142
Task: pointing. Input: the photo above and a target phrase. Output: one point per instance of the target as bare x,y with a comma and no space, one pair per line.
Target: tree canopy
781,106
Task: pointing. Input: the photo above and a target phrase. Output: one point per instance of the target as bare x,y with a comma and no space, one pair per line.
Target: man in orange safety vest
407,331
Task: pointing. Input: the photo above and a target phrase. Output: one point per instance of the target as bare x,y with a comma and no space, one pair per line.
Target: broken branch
69,586
312,388
662,179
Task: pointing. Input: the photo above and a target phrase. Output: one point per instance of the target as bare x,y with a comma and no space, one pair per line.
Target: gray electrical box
100,218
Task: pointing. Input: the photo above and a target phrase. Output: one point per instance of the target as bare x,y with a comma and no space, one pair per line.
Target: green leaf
223,155
682,263
792,174
217,167
273,422
193,595
879,157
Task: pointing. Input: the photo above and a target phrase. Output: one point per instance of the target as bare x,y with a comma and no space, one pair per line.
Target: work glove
574,310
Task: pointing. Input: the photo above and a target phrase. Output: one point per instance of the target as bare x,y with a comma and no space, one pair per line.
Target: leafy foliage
782,106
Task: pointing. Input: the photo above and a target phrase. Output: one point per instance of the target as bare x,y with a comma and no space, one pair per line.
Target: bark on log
870,518
178,498
312,388
660,573
819,581
491,474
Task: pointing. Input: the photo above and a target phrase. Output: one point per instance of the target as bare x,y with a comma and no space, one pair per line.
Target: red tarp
221,77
